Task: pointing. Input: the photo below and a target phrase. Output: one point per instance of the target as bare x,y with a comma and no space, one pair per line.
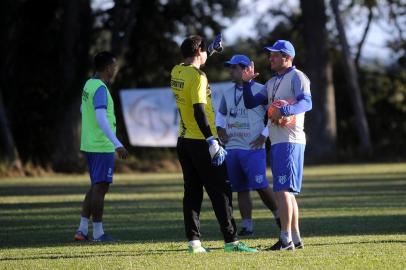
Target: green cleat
239,247
198,249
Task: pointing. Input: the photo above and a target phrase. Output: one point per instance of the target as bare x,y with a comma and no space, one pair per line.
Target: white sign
151,116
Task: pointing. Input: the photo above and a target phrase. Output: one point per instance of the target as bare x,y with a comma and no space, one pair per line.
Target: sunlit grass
352,217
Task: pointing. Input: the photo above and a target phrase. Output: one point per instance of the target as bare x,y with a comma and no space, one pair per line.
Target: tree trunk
74,52
355,91
124,18
321,120
8,148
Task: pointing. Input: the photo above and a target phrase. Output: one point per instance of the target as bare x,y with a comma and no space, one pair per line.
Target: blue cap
282,46
238,59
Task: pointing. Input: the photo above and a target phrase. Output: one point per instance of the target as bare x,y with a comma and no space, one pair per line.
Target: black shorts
196,163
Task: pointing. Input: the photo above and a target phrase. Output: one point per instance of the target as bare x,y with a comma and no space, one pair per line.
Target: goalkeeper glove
217,153
215,46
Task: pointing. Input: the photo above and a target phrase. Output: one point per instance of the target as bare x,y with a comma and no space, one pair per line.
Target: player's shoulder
299,75
270,81
188,71
197,72
93,84
257,85
176,69
229,88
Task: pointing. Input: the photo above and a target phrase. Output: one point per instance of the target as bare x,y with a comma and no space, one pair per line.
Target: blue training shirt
100,98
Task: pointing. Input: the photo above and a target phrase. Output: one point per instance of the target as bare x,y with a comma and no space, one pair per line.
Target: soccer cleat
198,249
278,222
104,238
80,236
281,246
239,247
245,232
299,245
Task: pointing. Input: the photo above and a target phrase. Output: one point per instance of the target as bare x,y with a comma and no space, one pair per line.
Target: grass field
353,217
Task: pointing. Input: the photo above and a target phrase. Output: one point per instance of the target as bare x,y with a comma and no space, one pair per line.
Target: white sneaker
198,249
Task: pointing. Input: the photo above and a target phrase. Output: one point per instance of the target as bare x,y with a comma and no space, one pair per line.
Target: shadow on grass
81,189
85,255
41,224
161,228
360,243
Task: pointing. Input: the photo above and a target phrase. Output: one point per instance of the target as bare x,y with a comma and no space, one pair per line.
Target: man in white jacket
244,134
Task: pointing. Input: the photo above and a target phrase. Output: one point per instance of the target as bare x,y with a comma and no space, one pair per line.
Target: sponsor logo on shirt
239,125
239,135
177,84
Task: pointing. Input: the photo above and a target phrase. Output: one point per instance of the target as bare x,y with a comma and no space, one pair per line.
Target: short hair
191,44
102,60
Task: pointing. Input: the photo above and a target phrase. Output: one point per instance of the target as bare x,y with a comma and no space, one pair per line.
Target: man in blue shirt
287,141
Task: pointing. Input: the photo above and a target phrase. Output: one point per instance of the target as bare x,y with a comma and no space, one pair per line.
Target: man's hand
122,152
216,45
217,153
276,116
258,142
223,136
248,73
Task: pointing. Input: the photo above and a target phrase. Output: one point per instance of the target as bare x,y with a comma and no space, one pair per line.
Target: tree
354,88
73,67
47,47
8,149
322,119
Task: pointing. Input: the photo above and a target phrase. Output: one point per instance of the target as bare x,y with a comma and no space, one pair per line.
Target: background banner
151,116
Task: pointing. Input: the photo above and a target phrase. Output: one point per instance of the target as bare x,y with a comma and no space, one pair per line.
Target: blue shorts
287,166
101,167
246,169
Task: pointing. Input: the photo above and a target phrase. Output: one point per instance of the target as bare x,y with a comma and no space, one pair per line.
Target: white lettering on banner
151,116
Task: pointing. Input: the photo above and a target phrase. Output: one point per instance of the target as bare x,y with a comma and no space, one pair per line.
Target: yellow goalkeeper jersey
190,86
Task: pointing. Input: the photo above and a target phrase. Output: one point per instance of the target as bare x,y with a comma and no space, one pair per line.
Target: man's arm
221,125
201,119
258,143
303,104
100,105
251,101
301,88
101,118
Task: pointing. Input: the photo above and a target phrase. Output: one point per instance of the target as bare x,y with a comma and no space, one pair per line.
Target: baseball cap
282,46
238,59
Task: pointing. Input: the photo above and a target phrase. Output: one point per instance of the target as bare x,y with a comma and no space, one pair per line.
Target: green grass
352,217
